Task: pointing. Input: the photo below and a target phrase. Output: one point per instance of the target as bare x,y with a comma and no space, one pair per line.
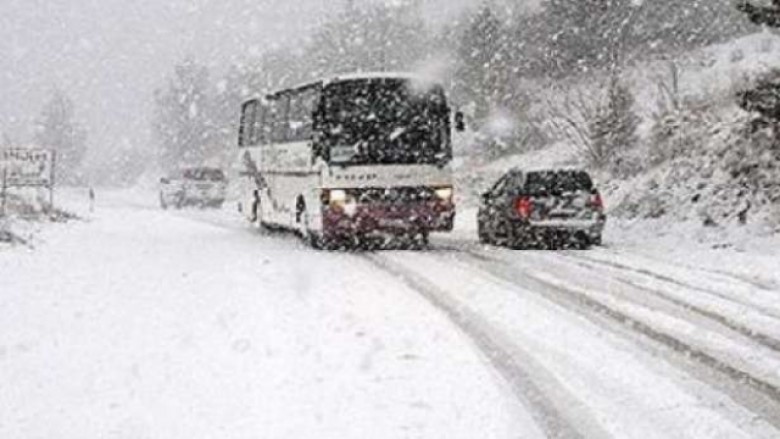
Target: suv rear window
557,182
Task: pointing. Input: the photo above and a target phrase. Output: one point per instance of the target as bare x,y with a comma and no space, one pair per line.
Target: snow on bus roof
536,169
349,77
376,75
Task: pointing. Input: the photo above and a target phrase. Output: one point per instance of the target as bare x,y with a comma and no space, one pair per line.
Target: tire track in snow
670,280
757,335
757,283
590,305
516,367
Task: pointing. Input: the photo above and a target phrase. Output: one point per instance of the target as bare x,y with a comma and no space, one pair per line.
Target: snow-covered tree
762,13
665,25
374,37
184,128
614,128
482,74
236,86
58,130
762,100
586,33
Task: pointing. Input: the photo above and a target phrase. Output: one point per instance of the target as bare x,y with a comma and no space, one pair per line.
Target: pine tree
57,130
614,128
183,126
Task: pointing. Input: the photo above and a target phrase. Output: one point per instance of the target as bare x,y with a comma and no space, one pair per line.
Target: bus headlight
444,193
338,196
341,200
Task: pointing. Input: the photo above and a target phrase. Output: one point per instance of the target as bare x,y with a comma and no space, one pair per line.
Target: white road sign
24,167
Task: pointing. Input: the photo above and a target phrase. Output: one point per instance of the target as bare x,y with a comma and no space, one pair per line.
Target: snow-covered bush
730,175
569,113
762,98
679,129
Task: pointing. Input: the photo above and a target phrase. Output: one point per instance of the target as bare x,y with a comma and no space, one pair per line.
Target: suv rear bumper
561,229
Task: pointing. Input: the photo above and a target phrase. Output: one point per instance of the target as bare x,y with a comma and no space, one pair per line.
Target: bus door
251,181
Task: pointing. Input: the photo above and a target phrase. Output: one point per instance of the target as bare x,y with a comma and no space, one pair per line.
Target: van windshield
202,174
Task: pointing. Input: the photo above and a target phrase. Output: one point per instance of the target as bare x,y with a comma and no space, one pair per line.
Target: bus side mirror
460,122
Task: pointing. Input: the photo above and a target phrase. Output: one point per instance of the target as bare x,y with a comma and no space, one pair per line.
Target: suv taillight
524,206
596,202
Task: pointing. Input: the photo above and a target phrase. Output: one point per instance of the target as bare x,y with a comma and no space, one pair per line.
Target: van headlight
444,193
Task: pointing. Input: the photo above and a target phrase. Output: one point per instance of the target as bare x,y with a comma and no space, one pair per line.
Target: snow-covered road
140,323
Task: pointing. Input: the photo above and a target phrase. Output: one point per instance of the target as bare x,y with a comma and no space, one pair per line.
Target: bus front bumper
379,219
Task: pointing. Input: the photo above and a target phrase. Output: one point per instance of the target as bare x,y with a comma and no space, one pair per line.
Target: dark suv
547,209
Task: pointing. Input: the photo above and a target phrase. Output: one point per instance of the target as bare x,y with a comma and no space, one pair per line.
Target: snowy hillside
716,179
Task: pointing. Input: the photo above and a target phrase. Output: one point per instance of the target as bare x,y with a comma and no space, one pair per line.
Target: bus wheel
425,239
314,240
420,241
257,216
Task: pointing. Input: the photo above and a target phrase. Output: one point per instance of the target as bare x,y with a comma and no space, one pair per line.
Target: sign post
51,180
3,192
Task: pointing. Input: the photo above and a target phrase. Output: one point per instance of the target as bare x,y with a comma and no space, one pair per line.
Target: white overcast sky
109,55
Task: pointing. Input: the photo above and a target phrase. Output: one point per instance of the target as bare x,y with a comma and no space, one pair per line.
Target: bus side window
269,120
302,107
257,134
246,129
281,124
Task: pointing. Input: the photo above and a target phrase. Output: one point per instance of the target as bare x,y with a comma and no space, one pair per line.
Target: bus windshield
386,121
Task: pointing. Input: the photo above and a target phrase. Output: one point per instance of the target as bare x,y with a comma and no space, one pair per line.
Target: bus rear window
556,182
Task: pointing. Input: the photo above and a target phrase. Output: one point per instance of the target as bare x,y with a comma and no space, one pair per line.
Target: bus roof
347,77
375,75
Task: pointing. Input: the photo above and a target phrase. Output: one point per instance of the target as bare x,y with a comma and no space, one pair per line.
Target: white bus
349,158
